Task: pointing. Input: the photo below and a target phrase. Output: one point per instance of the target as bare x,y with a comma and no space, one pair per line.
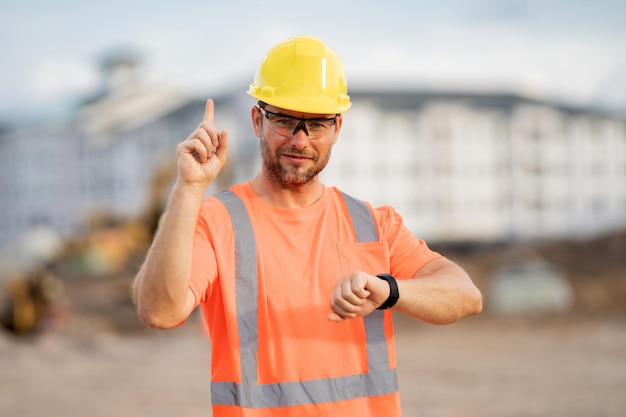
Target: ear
337,128
256,115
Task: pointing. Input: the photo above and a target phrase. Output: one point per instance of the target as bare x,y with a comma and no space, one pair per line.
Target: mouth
296,158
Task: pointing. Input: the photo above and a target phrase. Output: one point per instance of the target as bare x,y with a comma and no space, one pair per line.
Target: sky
570,51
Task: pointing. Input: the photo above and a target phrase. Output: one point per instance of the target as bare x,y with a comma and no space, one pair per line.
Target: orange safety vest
306,397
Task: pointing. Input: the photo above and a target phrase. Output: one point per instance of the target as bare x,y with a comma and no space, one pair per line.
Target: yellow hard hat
302,74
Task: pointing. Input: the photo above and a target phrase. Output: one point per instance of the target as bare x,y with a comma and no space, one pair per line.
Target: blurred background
496,128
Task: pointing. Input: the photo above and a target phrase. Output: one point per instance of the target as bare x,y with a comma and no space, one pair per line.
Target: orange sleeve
407,253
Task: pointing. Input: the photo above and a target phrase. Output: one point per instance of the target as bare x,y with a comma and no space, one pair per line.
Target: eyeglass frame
302,121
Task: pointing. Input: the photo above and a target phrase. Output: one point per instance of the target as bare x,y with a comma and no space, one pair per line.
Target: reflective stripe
316,391
379,380
362,220
246,292
365,231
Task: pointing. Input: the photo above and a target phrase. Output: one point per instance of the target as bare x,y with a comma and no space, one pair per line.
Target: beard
290,176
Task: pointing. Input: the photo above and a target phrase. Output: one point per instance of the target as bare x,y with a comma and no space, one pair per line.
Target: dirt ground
98,360
482,366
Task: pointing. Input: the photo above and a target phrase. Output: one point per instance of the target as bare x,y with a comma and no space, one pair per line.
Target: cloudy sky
572,51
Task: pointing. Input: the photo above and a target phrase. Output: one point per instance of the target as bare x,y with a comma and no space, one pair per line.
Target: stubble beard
286,177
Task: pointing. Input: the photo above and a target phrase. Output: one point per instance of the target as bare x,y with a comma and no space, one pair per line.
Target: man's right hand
203,154
161,289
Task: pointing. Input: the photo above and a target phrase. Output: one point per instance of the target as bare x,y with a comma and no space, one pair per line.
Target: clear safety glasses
288,125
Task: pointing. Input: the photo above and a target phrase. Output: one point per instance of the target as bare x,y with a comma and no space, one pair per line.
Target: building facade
484,167
460,167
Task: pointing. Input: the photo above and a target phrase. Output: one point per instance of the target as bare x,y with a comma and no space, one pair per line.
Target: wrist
394,293
192,188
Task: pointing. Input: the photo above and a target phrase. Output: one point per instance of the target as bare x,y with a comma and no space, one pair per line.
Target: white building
484,167
458,167
105,161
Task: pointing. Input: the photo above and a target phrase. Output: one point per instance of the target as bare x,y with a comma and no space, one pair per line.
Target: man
295,279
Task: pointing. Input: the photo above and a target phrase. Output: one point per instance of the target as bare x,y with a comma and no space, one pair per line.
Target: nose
300,137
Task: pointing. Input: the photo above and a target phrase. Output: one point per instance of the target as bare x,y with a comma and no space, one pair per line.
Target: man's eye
284,121
317,125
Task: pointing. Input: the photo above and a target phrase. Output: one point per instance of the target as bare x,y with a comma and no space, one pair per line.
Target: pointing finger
209,110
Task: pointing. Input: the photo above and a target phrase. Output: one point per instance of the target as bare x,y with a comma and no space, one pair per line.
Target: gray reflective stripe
365,231
246,290
316,391
362,219
379,380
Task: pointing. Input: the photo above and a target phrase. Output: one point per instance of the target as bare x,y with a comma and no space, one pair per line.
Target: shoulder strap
362,219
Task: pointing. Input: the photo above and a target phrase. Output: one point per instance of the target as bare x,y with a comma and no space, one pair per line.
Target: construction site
496,130
71,343
550,341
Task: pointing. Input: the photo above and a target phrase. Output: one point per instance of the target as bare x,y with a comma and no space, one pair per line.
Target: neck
294,197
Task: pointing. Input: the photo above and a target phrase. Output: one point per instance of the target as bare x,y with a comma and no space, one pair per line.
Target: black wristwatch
394,294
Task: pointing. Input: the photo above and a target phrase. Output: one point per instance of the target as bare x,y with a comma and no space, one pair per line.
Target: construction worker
295,278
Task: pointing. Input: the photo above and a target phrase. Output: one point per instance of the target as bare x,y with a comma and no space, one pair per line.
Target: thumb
334,317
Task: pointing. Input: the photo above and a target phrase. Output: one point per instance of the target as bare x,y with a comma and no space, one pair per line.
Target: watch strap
394,294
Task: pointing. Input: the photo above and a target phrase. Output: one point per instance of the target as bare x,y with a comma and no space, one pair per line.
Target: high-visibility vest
379,378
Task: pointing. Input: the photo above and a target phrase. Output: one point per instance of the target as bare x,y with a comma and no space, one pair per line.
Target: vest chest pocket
369,257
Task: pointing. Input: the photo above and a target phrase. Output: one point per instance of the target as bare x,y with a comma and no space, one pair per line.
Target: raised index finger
209,110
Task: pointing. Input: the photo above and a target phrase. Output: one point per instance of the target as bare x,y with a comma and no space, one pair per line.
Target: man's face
294,159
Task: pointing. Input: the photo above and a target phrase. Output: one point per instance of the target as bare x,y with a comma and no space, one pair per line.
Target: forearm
440,293
161,288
